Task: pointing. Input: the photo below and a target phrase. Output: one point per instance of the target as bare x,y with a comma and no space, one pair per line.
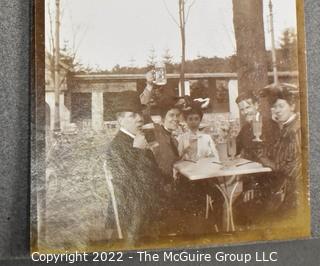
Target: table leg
228,202
209,205
230,205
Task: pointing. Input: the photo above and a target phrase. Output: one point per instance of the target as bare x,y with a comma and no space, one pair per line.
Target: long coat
137,185
288,163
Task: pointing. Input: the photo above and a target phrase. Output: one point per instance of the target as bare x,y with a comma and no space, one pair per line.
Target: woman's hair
165,109
281,92
193,111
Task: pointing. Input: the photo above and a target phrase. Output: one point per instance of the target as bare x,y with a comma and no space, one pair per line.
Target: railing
88,77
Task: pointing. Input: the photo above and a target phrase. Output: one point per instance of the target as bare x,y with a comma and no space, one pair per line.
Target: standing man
135,174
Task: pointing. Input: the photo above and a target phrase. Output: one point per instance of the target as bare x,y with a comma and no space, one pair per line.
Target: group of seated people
147,191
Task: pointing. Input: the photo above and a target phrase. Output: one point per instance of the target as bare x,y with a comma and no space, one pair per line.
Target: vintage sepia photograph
168,123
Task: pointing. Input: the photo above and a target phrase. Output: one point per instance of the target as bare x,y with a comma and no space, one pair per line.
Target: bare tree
168,60
184,12
79,32
56,54
273,45
167,57
56,69
75,39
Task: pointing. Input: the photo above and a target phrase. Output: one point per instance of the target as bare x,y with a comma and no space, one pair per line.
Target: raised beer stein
160,75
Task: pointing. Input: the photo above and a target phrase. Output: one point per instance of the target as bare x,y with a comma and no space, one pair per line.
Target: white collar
291,118
198,133
127,132
166,128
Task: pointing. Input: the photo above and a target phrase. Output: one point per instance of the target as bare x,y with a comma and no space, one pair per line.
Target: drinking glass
148,130
231,147
193,150
257,129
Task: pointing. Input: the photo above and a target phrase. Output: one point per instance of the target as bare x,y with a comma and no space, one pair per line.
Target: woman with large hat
285,156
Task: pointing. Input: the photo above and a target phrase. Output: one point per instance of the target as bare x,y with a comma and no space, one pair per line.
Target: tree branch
51,41
80,41
170,14
77,35
188,12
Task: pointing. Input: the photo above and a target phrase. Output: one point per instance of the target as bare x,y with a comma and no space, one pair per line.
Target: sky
110,32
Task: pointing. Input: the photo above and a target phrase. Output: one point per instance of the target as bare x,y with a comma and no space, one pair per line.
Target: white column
97,110
50,101
233,94
65,115
186,88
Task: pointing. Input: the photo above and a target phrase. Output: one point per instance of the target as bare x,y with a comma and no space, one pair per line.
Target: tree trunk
251,53
183,59
183,43
56,69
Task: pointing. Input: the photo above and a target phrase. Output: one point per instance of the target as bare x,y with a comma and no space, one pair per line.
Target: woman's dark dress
287,165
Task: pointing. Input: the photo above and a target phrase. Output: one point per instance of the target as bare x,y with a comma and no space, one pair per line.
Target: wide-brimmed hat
285,91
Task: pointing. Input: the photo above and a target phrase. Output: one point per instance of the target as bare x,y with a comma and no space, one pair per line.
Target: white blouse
205,146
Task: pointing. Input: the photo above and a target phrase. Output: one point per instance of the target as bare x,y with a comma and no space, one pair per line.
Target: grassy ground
76,192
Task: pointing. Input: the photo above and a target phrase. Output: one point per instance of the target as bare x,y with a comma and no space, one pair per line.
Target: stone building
86,100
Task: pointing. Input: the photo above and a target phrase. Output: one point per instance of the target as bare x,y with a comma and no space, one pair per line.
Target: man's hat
127,101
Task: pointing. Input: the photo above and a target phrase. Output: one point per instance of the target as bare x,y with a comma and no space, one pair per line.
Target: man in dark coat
256,187
249,109
135,174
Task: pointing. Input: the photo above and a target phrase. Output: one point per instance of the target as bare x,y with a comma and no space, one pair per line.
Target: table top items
208,168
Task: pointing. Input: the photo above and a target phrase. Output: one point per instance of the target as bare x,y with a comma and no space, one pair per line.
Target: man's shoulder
119,140
114,141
